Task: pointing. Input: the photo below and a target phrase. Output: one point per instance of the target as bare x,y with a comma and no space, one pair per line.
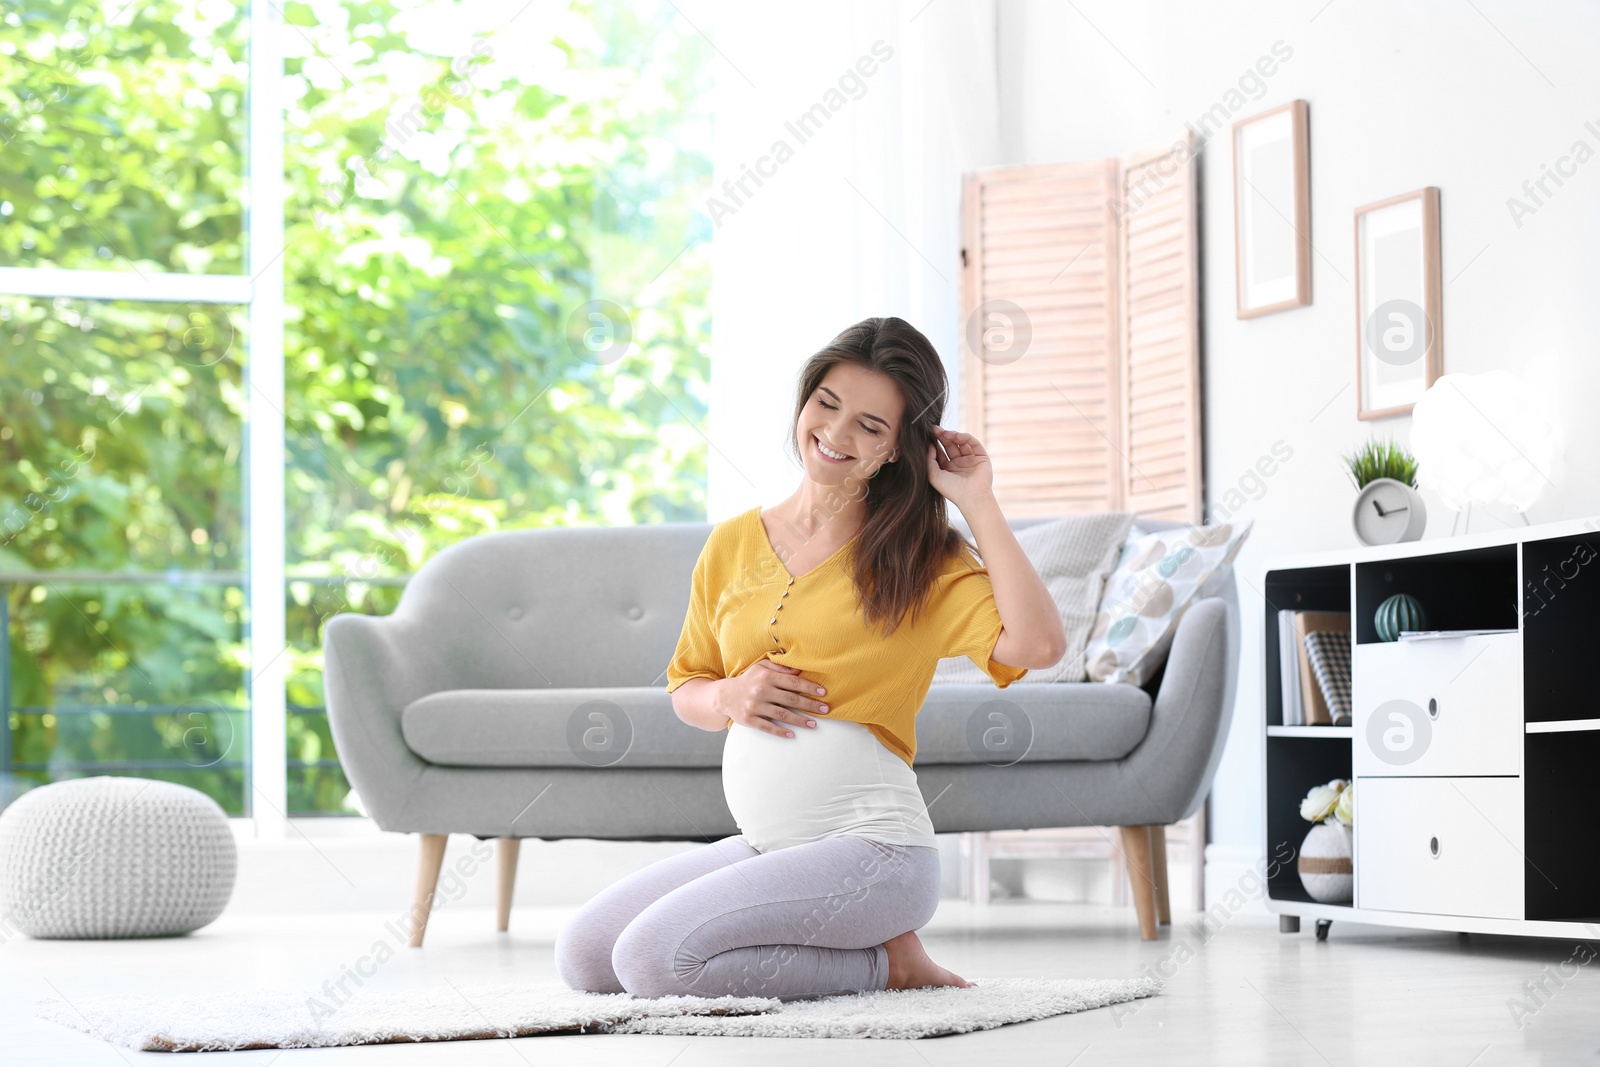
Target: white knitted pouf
113,857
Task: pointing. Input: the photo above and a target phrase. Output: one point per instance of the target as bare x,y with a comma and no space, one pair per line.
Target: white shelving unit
1470,754
1308,731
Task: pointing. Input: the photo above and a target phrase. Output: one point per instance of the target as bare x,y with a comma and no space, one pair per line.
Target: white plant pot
1325,863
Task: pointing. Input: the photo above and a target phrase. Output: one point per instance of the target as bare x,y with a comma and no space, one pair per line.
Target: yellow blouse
743,605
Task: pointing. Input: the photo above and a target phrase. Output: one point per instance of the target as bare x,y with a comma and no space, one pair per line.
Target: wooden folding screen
1080,347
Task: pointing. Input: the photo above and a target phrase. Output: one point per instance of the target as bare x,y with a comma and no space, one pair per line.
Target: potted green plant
1389,509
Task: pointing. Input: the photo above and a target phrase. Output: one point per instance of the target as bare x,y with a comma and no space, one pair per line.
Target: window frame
261,291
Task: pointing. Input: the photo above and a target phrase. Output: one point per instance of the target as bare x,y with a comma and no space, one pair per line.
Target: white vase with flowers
1326,861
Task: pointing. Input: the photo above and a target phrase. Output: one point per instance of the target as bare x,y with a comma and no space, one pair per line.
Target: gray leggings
725,919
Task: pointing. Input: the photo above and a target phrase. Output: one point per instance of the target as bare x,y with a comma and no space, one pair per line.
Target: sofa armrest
373,666
1192,711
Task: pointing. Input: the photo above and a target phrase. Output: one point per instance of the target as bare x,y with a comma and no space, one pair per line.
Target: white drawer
1445,707
1446,846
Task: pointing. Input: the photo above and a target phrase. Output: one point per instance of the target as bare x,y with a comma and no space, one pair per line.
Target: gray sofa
519,691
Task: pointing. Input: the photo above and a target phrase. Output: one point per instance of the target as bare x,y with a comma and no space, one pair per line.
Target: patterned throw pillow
1156,579
1073,555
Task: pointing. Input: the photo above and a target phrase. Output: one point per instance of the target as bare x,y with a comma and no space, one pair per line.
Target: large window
462,287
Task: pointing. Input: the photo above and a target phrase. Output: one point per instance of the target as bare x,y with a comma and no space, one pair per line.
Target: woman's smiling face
854,412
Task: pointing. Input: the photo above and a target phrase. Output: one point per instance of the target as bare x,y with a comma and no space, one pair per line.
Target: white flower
1320,801
1345,809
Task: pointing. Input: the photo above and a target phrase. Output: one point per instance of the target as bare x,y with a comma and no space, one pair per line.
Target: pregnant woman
813,630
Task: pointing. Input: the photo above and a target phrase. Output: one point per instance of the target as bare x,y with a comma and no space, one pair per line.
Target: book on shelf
1329,653
1435,635
1304,700
1288,675
1310,622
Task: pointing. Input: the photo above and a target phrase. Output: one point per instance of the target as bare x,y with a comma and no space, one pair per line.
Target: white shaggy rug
909,1013
283,1019
229,1021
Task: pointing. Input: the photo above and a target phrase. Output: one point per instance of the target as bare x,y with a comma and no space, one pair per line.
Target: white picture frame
1272,211
1399,303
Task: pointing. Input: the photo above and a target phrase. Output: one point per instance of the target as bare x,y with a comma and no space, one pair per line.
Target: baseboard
356,872
355,868
1234,878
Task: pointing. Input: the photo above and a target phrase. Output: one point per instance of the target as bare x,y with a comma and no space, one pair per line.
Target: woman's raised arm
1031,632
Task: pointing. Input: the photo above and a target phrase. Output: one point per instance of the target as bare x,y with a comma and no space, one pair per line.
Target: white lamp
1486,439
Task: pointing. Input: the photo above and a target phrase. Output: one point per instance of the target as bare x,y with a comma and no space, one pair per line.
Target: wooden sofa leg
509,849
428,864
1158,861
1141,877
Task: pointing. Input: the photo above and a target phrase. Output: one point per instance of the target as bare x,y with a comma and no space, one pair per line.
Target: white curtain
856,213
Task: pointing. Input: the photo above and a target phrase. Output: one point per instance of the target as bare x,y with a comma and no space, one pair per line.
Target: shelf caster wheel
1288,924
1322,928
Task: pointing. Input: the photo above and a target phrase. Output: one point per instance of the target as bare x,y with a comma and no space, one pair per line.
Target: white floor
1241,994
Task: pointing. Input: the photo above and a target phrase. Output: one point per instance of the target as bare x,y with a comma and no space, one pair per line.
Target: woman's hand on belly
767,695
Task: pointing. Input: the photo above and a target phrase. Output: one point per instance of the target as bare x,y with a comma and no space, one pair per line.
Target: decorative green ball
1400,612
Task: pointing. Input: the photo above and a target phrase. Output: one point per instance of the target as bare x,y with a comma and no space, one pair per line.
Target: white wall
1473,99
862,219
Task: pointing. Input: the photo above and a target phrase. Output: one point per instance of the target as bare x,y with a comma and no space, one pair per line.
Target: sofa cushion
1032,724
631,726
636,727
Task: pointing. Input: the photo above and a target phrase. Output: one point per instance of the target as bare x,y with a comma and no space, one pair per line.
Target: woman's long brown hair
907,535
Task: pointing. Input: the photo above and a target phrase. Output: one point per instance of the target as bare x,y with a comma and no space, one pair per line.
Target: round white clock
1389,511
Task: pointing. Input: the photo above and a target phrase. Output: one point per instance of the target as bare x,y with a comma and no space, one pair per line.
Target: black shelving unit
1296,762
1294,765
1543,585
1301,589
1561,609
1472,590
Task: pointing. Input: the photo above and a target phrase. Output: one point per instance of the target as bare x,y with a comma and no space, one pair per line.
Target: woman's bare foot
910,967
